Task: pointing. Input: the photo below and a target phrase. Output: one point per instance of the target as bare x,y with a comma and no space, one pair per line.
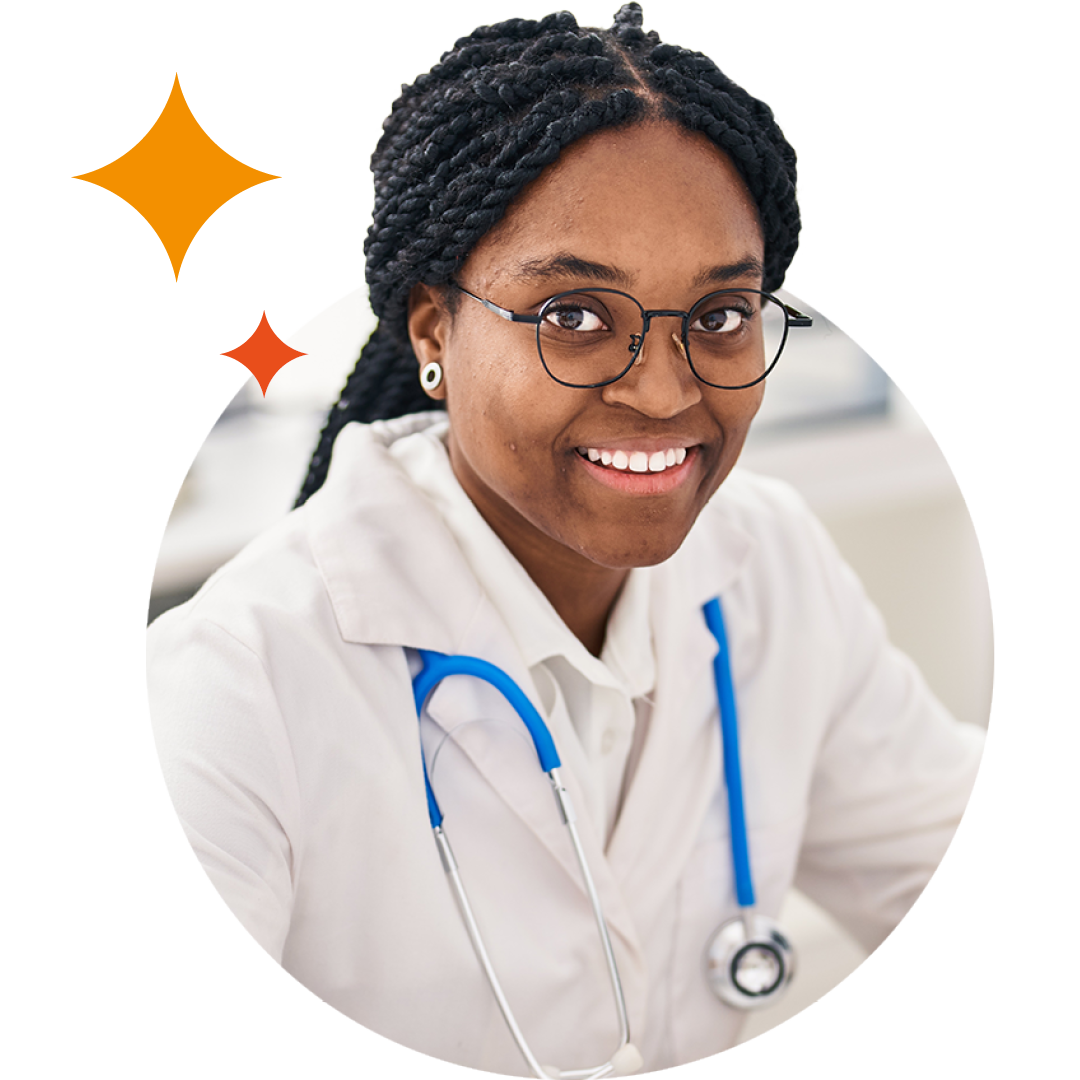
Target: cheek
496,361
502,406
736,409
733,412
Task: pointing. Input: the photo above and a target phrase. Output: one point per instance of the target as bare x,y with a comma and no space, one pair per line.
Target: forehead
659,203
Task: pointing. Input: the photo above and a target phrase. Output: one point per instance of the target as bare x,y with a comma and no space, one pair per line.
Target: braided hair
463,140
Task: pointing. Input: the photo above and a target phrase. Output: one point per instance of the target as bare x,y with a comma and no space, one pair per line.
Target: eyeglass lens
732,338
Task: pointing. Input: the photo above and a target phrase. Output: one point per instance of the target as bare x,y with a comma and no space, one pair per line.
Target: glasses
591,337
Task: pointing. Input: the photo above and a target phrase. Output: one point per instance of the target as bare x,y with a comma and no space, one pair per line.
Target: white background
938,192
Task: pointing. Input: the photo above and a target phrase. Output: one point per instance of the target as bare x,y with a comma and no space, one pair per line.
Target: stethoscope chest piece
748,961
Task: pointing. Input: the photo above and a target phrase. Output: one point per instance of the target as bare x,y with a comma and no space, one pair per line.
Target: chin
649,553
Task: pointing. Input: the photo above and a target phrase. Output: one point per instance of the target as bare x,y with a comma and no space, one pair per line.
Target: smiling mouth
634,461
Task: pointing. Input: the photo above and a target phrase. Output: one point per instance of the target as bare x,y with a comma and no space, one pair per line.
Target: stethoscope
748,961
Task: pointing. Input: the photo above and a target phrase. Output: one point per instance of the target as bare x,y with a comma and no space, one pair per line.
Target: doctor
543,477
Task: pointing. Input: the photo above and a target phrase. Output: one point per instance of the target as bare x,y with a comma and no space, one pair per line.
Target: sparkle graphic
176,177
264,354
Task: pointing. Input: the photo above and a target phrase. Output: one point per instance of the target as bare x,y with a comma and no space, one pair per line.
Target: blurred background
832,424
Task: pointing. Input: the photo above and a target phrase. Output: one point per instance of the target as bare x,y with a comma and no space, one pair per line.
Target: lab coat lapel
675,781
660,820
459,701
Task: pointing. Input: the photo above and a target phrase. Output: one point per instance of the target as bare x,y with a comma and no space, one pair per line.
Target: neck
582,593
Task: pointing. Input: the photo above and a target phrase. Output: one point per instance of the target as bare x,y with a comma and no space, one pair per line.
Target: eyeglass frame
793,319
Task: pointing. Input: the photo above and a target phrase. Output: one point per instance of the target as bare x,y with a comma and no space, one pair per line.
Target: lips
630,470
635,461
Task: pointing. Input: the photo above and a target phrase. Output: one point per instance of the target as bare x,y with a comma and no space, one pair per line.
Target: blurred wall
920,563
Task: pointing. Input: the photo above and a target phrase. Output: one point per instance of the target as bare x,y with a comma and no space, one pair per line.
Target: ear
429,328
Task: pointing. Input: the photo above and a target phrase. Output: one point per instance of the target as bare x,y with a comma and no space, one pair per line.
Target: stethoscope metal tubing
451,868
562,797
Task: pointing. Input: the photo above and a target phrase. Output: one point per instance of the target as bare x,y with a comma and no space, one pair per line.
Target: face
656,212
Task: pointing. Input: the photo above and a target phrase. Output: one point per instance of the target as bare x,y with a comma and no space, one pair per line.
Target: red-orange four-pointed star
264,354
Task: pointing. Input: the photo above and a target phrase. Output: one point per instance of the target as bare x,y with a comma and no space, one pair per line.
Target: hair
463,140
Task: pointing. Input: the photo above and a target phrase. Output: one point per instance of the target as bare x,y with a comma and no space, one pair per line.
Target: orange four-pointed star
176,177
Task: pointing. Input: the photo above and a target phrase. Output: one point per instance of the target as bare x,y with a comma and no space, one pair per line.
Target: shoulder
274,578
263,648
366,560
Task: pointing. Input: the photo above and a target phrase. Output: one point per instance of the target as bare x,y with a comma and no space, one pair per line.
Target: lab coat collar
411,586
393,573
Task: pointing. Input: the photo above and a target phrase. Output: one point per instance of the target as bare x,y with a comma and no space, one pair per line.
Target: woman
575,241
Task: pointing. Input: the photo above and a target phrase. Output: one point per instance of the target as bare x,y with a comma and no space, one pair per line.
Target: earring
431,375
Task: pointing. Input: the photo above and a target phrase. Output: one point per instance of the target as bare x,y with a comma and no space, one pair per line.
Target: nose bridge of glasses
676,334
660,381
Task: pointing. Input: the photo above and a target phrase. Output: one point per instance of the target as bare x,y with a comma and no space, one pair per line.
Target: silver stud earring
431,375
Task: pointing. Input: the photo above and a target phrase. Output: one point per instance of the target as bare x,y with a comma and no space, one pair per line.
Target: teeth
637,460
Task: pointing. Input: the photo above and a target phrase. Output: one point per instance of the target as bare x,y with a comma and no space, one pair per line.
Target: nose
660,383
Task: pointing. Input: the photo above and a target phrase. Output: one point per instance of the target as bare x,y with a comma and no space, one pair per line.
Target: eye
574,316
721,320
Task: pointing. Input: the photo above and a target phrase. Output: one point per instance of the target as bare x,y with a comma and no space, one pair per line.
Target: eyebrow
565,264
723,274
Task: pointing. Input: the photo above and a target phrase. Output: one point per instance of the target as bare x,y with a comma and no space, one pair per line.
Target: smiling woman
524,515
652,208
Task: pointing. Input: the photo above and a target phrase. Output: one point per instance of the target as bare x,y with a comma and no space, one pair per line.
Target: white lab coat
282,706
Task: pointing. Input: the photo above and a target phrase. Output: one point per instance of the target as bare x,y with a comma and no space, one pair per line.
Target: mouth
639,471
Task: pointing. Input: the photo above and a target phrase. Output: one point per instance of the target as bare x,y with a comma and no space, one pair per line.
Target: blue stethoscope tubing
438,666
729,737
748,934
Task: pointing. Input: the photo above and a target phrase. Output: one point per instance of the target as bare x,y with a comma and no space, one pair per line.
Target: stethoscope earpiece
748,961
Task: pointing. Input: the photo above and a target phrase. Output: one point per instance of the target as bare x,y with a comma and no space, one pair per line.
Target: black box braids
464,139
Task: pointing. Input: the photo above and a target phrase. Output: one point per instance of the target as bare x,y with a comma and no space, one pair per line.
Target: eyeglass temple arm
503,313
796,317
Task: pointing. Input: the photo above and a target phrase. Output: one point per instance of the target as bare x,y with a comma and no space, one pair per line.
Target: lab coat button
607,743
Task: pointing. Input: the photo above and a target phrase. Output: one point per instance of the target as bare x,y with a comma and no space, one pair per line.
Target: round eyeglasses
588,338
